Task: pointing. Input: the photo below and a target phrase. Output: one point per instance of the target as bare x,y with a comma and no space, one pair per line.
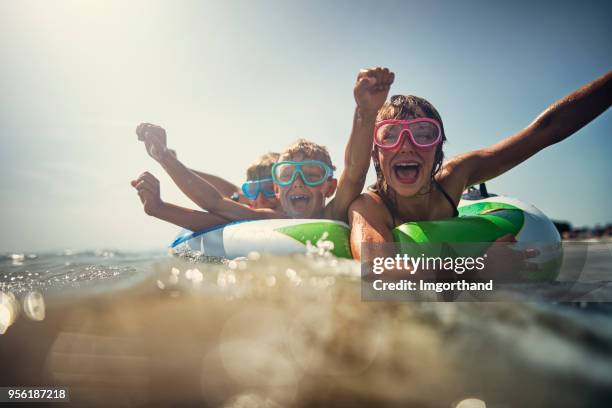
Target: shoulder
341,210
370,222
455,173
370,206
367,200
453,167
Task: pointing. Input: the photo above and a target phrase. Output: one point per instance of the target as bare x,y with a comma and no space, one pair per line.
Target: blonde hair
262,167
308,150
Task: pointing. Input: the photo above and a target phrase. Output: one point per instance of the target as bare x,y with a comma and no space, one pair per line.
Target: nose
261,201
299,181
406,145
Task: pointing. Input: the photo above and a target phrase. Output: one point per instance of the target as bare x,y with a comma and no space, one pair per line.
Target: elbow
214,205
206,203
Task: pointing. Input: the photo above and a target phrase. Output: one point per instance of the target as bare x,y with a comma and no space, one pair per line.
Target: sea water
140,329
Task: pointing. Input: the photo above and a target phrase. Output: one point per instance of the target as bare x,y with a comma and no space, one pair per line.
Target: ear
276,189
330,187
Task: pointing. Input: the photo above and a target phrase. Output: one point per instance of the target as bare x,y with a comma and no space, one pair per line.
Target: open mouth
407,172
299,202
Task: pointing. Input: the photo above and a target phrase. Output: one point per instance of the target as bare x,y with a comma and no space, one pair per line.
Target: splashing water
283,331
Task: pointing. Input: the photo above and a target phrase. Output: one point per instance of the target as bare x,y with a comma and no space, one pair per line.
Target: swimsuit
450,200
393,213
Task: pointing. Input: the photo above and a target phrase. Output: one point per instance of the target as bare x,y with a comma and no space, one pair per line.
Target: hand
148,191
154,138
503,262
372,89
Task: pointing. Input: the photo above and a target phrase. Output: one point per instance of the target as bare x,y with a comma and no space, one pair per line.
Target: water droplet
291,273
254,256
34,306
5,317
196,276
270,281
471,403
9,309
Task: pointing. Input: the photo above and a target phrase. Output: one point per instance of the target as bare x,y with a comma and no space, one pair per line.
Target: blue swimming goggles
251,189
312,172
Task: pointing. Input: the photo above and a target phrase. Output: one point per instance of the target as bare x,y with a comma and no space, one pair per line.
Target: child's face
299,200
259,191
264,202
407,168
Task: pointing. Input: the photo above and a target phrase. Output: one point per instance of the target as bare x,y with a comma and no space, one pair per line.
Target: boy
303,177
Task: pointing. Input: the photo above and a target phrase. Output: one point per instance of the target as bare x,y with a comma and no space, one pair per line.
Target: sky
234,79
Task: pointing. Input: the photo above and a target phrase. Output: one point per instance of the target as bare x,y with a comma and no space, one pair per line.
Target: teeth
407,165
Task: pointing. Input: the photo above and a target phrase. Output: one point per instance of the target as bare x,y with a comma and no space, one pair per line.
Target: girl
413,184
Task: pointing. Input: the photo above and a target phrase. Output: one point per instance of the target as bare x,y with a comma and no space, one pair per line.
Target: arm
197,189
368,224
370,93
556,123
207,196
148,191
187,218
223,186
371,224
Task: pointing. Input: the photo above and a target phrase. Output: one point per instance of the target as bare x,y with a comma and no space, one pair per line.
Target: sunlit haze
232,80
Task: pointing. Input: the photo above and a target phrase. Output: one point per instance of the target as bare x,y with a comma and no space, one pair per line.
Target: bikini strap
394,214
386,202
450,200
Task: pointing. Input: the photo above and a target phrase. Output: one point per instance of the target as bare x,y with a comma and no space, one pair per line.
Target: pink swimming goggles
423,133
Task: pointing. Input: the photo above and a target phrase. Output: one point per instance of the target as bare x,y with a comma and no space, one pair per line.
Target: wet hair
308,150
262,167
405,107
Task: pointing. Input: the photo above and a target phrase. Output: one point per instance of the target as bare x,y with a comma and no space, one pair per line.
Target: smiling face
406,168
262,201
261,169
300,200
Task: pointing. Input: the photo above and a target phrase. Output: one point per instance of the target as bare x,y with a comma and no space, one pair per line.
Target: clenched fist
154,138
372,88
148,191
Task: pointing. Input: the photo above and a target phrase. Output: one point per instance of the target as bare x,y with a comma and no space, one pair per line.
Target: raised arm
200,191
223,186
187,218
205,195
559,121
371,90
148,191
